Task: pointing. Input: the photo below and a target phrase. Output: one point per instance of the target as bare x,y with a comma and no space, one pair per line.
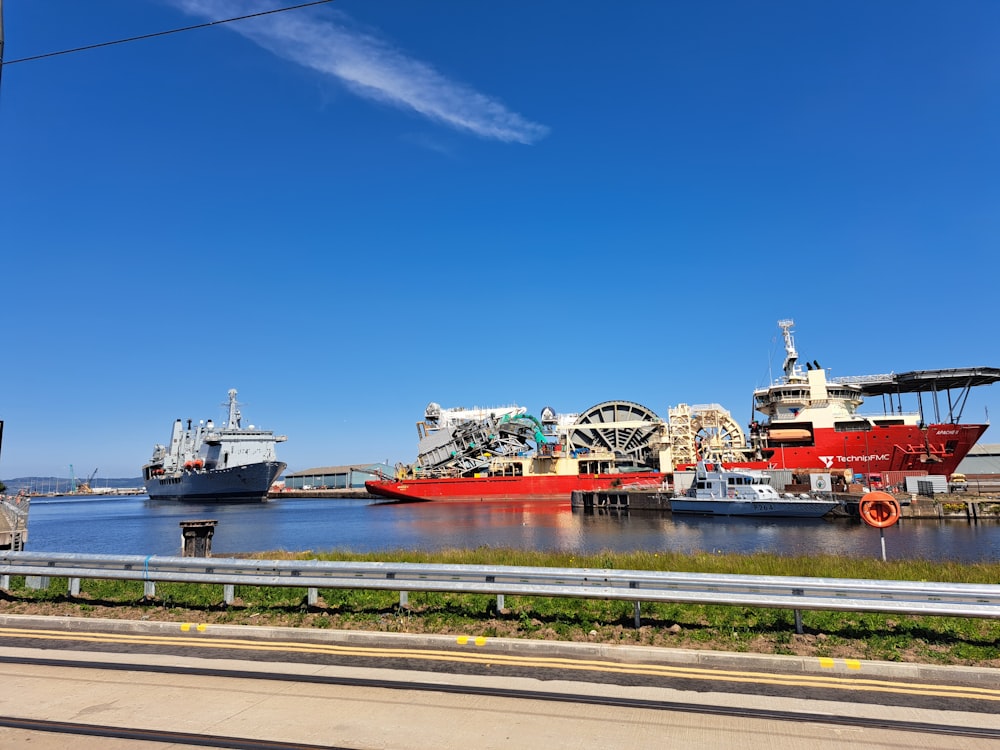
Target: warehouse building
982,459
336,477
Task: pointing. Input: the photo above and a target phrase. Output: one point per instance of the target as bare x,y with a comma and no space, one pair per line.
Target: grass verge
938,640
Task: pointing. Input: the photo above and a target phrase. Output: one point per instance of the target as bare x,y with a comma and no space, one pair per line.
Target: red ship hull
938,449
558,487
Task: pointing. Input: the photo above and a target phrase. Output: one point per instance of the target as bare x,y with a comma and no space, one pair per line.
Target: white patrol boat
743,492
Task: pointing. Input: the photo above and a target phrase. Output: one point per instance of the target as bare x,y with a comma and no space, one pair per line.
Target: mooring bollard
196,538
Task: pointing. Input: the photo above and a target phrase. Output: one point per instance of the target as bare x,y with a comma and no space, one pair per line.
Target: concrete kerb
720,660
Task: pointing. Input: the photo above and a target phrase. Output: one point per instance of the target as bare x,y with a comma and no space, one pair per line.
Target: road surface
114,684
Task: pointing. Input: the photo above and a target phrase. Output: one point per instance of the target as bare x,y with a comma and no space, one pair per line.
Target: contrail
372,68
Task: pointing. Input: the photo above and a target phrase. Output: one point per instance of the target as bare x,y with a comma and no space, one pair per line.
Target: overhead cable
163,33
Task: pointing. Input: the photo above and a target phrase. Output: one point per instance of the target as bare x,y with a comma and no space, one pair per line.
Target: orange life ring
879,509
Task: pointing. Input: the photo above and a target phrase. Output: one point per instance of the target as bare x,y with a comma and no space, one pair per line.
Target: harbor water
140,526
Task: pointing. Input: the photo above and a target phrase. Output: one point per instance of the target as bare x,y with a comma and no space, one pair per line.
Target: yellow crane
84,487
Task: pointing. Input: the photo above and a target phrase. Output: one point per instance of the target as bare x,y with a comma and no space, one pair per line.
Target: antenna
1,37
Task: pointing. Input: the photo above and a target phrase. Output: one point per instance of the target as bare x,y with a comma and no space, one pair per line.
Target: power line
162,33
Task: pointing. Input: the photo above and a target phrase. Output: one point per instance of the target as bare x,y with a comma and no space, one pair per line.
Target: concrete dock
13,522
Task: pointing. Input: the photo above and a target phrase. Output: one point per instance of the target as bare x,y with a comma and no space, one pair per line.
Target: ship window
861,425
845,395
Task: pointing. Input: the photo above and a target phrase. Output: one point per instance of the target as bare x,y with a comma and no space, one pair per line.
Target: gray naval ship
206,464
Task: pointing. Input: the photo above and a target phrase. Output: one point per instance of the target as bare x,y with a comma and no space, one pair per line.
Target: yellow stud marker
185,627
202,628
462,640
852,663
826,662
480,641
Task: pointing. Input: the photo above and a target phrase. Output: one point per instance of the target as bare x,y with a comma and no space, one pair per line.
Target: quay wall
939,507
350,493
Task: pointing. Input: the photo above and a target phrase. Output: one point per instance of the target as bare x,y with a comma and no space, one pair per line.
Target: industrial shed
336,477
982,459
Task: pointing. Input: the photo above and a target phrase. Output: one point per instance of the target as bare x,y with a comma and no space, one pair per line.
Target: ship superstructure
207,463
814,421
463,442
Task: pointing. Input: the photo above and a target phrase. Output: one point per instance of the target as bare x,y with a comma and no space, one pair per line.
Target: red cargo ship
811,423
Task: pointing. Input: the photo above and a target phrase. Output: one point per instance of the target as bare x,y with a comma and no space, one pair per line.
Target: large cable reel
717,435
624,427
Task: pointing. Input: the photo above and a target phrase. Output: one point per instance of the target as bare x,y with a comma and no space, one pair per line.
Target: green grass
944,640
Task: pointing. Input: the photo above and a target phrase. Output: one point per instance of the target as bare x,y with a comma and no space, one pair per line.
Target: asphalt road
117,684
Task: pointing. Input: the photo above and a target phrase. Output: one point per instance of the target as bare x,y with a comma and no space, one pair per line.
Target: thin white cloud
369,66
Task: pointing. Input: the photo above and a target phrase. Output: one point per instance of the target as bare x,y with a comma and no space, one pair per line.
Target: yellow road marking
473,657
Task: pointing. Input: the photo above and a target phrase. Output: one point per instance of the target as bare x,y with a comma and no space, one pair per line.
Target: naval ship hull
235,484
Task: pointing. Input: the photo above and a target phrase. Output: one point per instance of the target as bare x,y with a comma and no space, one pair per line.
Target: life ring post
879,510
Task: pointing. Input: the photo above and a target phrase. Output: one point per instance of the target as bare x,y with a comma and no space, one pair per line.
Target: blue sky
349,211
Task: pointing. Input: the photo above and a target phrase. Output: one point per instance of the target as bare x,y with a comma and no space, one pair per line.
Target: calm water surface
137,525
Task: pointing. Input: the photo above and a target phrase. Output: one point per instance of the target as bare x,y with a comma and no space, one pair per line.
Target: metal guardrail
769,592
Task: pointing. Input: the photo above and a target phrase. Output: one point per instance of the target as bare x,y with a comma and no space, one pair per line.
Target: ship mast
234,412
791,355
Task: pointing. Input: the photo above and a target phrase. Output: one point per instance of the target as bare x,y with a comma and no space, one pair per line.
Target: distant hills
64,484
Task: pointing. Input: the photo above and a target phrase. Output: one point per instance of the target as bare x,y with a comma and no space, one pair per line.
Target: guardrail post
404,596
636,606
500,597
36,582
798,612
228,593
5,582
312,597
74,587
